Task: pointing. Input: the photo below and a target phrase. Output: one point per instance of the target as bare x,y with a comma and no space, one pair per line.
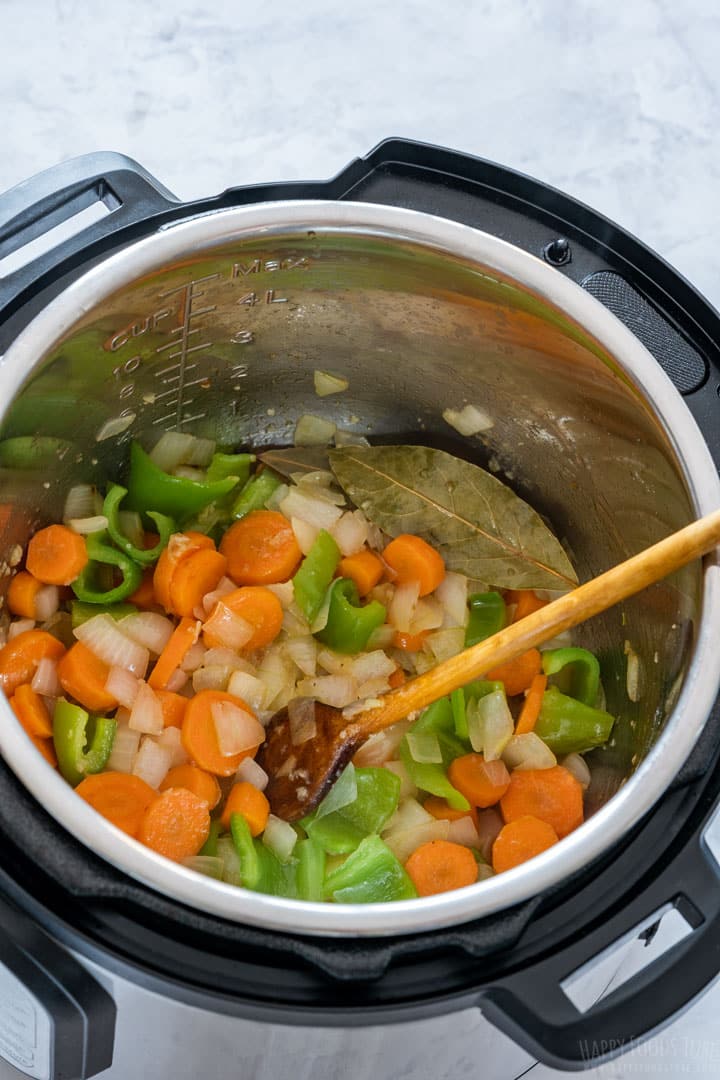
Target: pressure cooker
428,279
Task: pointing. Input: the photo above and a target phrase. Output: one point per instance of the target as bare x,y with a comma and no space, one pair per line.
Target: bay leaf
296,459
481,527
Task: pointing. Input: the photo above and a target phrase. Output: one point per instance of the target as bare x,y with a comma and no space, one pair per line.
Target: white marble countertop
618,104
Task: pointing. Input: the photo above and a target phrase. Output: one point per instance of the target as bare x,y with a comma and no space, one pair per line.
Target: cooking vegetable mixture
159,627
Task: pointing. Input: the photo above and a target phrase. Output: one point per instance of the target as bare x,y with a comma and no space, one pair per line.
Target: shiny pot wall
215,326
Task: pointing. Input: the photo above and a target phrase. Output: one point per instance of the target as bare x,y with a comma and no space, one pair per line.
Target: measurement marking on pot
182,334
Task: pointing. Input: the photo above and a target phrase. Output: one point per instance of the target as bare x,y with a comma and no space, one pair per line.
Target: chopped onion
124,749
578,766
223,587
490,725
248,688
382,637
276,497
429,615
19,626
403,843
251,773
171,740
284,591
407,787
81,501
194,657
313,431
402,606
446,643
123,686
277,673
424,747
468,421
152,762
228,658
301,716
228,628
634,675
45,681
373,688
131,526
326,383
211,677
303,651
177,680
47,602
189,472
351,532
146,713
408,814
452,593
148,628
87,525
280,837
335,663
485,871
344,437
237,730
305,533
201,452
490,823
294,622
173,448
381,746
342,793
463,831
227,852
528,752
102,636
371,665
209,865
299,503
335,690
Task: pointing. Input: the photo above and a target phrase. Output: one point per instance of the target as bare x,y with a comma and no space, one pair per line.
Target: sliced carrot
531,706
365,569
83,676
411,558
200,738
46,748
525,601
176,824
56,555
409,642
32,712
520,840
261,549
252,804
120,797
553,795
517,674
194,576
182,639
201,783
20,657
144,596
180,546
439,809
483,783
173,708
22,593
397,678
439,866
257,606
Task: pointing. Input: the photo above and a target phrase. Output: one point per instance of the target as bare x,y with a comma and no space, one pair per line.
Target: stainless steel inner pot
215,326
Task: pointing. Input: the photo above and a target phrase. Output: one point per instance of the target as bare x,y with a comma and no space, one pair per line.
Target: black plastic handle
50,198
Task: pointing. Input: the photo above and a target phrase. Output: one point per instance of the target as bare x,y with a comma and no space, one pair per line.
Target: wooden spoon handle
626,579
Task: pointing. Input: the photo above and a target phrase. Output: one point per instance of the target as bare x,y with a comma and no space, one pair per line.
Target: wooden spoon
301,775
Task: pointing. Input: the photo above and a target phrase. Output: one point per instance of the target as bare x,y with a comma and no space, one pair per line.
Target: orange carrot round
365,569
525,601
553,795
32,712
199,736
517,674
144,596
20,657
251,803
261,549
531,706
180,547
483,783
411,558
46,748
194,576
83,676
397,678
56,555
120,797
409,642
201,783
439,866
181,641
176,824
260,608
439,809
520,840
173,708
22,594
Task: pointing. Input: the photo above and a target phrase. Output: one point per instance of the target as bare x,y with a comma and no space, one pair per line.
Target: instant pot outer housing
429,280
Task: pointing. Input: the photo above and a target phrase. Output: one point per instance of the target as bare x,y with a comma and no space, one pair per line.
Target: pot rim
634,799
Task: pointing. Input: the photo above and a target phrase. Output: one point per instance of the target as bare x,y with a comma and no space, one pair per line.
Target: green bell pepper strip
260,868
570,727
578,671
438,719
457,702
210,847
100,552
151,489
487,616
340,831
145,556
80,612
255,494
349,626
310,870
224,465
70,734
312,580
371,874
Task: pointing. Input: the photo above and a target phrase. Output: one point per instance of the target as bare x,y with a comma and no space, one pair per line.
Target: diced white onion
102,636
326,383
47,602
19,626
371,665
223,587
148,628
578,766
251,773
284,591
342,793
301,716
634,675
403,843
381,746
408,814
280,837
407,787
87,525
208,865
152,762
124,749
177,680
277,673
469,420
301,503
228,658
201,452
424,747
382,637
236,729
313,431
497,724
171,739
189,472
463,831
211,677
228,628
173,448
123,686
351,532
248,688
490,823
429,614
452,593
335,663
528,752
131,526
194,657
373,688
276,497
446,643
344,437
476,725
115,426
81,501
305,533
303,651
402,606
146,713
45,681
335,690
